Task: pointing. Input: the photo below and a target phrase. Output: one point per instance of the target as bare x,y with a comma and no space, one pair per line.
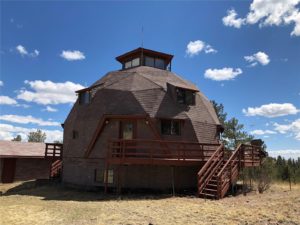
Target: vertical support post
106,178
123,150
46,149
119,180
219,193
244,187
173,181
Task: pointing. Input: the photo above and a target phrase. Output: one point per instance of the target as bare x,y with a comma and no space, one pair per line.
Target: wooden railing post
123,150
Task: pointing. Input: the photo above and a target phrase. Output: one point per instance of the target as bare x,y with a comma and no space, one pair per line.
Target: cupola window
145,57
132,63
154,62
185,96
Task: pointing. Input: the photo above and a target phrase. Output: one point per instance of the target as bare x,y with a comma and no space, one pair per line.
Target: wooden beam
101,125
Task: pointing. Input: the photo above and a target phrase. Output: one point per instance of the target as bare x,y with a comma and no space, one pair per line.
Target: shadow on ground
49,190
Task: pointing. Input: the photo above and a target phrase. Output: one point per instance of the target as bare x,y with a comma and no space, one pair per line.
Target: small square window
185,96
75,134
84,98
180,95
190,97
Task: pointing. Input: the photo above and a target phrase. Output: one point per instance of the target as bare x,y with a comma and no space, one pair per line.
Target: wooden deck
218,168
157,152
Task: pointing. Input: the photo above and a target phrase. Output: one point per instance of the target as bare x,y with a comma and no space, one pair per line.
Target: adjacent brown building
144,126
20,161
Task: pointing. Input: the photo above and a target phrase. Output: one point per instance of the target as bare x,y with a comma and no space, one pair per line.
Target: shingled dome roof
148,86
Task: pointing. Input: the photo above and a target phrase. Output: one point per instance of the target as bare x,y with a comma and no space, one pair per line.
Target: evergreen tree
17,138
234,134
219,108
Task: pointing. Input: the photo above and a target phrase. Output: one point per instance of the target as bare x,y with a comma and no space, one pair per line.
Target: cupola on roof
145,57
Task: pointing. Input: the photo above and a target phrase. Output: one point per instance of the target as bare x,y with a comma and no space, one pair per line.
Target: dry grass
54,205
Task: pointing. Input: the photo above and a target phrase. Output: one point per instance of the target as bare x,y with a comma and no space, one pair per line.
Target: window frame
75,134
171,128
82,100
130,61
183,99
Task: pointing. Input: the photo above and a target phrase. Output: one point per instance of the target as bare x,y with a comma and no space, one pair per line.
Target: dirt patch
55,205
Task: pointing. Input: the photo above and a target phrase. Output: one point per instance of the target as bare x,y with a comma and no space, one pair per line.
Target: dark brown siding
8,170
28,169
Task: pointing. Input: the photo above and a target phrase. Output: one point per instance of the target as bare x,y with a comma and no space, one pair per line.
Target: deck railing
53,150
159,149
243,156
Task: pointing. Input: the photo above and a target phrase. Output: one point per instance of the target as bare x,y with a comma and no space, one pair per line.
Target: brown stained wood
53,150
101,125
8,170
243,156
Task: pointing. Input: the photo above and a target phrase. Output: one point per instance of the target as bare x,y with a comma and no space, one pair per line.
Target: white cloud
272,110
262,132
5,100
287,153
23,52
50,109
231,19
268,13
292,128
28,120
7,132
72,55
48,92
195,47
1,83
222,74
259,57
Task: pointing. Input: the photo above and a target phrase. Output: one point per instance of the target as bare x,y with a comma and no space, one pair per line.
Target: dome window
185,96
84,98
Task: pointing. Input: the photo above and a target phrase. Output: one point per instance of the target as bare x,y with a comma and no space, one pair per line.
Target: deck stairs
53,152
222,170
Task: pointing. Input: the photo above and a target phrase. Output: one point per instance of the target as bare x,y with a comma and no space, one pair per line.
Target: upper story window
185,96
84,97
170,127
75,134
155,62
132,63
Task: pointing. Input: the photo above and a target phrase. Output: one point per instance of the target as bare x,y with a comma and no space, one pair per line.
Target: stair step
211,185
208,195
208,189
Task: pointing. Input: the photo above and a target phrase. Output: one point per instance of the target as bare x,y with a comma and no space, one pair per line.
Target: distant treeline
283,169
278,169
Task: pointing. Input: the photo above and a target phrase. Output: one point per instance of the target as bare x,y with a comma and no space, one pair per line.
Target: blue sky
243,54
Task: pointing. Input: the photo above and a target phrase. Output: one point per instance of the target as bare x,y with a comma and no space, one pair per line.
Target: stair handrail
204,175
203,169
236,151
